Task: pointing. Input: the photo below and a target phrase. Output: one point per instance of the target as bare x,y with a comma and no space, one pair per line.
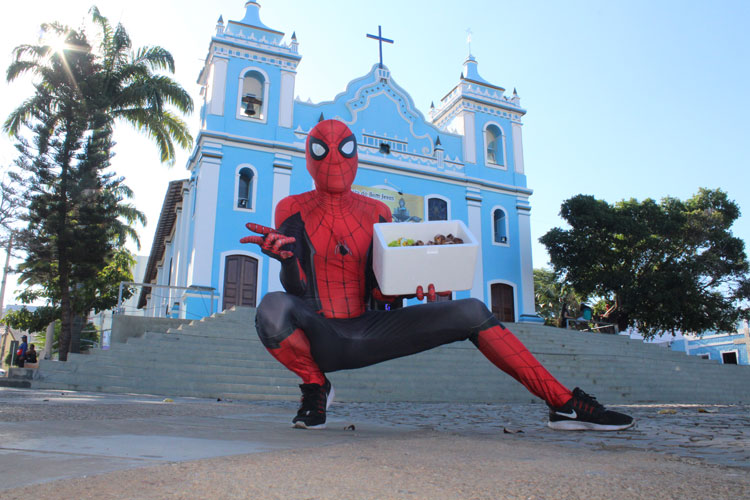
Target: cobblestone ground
713,434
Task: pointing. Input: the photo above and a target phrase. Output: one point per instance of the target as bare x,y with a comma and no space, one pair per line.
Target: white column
205,221
177,253
282,177
527,267
184,229
518,148
470,138
217,86
474,207
286,99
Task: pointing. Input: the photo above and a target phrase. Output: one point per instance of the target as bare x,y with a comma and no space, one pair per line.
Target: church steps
239,332
557,364
184,362
168,350
192,389
243,365
147,380
157,368
553,361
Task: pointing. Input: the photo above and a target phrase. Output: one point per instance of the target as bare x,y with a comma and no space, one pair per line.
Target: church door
240,281
502,302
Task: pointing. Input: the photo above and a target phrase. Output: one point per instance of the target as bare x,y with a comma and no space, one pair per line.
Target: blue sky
625,99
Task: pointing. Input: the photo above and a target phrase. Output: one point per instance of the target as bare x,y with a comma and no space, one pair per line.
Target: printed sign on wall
404,207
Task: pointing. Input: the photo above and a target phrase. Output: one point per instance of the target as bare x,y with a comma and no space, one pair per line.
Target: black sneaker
315,401
584,413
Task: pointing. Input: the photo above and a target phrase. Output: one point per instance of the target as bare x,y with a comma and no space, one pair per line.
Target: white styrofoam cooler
399,270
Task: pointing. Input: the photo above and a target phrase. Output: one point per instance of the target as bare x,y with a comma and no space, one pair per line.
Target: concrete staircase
19,378
221,356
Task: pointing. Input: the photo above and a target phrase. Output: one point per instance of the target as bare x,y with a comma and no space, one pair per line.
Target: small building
726,348
464,161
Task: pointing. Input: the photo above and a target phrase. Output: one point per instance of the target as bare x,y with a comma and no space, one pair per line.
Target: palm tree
122,83
554,298
81,90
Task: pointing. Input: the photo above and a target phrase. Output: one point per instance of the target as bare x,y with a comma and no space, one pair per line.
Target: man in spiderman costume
321,324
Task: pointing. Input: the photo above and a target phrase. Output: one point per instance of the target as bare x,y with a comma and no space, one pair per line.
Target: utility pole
2,295
5,272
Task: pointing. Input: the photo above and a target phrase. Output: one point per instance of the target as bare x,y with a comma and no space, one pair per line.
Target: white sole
577,425
302,425
330,397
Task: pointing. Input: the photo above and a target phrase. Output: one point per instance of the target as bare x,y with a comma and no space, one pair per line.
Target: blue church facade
463,161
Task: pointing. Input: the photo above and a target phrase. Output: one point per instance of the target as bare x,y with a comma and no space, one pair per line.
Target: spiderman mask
332,156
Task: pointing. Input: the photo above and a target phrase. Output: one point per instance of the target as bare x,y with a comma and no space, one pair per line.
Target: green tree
77,215
96,294
666,267
555,299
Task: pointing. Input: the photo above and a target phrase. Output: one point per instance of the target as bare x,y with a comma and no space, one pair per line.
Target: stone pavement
62,444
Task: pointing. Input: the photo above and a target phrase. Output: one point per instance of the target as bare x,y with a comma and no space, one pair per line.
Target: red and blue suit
321,323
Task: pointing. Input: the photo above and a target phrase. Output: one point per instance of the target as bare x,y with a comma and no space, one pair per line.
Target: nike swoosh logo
572,414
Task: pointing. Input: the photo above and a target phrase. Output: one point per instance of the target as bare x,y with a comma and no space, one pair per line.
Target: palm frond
154,91
18,67
146,121
155,57
28,109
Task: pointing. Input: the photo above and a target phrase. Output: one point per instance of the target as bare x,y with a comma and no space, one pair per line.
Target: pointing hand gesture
270,241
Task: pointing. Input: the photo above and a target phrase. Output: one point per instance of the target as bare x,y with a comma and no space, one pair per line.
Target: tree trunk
563,315
63,261
65,318
621,317
75,334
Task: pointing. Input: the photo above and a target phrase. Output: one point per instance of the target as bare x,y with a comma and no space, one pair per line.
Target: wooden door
240,281
502,302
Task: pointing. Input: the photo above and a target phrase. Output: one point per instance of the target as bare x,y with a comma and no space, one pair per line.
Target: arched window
252,95
437,209
245,187
499,226
244,190
495,150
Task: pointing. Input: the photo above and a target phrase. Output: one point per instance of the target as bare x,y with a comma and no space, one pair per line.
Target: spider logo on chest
342,249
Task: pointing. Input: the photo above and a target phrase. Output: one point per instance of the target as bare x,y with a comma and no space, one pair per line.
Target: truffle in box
399,270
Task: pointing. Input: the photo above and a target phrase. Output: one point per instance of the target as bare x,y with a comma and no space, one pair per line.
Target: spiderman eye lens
318,149
348,146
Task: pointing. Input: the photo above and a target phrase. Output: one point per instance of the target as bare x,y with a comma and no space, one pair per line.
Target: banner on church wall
404,207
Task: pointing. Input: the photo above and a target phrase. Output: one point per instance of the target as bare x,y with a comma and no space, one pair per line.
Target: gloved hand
431,294
271,241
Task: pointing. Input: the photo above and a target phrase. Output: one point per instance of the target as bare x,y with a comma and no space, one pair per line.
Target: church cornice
477,106
265,48
455,175
483,84
478,93
253,27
